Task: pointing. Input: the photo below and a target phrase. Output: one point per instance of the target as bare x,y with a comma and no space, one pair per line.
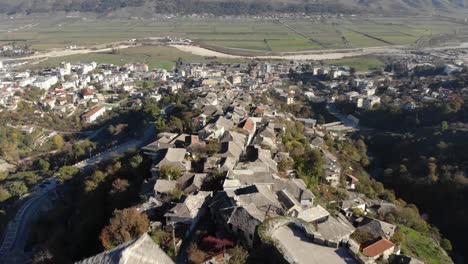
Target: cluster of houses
88,88
252,189
235,146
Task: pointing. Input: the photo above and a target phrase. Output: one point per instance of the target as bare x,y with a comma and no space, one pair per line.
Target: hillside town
235,172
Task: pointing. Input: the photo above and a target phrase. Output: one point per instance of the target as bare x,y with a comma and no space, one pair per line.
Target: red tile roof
352,177
194,139
259,110
92,111
378,248
248,124
88,91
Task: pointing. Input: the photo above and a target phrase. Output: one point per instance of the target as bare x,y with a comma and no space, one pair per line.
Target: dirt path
67,52
323,55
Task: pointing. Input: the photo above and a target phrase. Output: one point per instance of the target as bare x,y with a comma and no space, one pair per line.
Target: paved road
118,150
16,235
17,232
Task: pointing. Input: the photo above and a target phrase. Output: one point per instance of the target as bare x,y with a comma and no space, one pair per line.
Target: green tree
446,245
135,161
169,172
238,255
17,188
161,125
4,195
213,147
67,173
3,176
175,125
320,120
44,165
150,108
444,126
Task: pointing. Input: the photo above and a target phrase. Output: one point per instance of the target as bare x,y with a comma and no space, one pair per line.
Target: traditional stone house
139,251
382,248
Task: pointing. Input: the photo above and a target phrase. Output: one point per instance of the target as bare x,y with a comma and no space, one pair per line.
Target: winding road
12,249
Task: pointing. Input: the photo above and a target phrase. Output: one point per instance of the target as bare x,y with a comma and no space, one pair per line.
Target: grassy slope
422,247
362,63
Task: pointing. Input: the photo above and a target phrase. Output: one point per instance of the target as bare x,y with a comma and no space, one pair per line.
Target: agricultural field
362,63
155,56
256,34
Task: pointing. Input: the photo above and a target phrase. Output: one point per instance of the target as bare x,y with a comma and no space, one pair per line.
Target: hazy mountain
233,7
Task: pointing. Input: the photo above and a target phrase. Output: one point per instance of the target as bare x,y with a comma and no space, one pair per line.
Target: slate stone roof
140,251
335,229
377,228
190,207
313,214
164,186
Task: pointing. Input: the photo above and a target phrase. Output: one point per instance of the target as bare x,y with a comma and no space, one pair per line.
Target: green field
362,63
155,56
266,35
422,247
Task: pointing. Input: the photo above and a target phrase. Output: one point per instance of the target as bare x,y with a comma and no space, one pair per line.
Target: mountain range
234,7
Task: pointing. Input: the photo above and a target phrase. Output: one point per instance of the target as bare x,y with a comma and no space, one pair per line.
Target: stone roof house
189,211
164,187
191,182
355,203
174,157
216,130
377,228
139,251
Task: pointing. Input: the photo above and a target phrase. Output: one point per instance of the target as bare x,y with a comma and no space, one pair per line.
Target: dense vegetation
71,230
429,168
224,7
421,155
227,7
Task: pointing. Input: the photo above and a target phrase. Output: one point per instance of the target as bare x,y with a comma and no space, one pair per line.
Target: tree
58,141
43,256
4,195
238,255
175,125
150,108
125,225
169,172
3,176
321,120
135,161
67,172
446,245
213,147
119,186
195,254
17,188
44,165
444,126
